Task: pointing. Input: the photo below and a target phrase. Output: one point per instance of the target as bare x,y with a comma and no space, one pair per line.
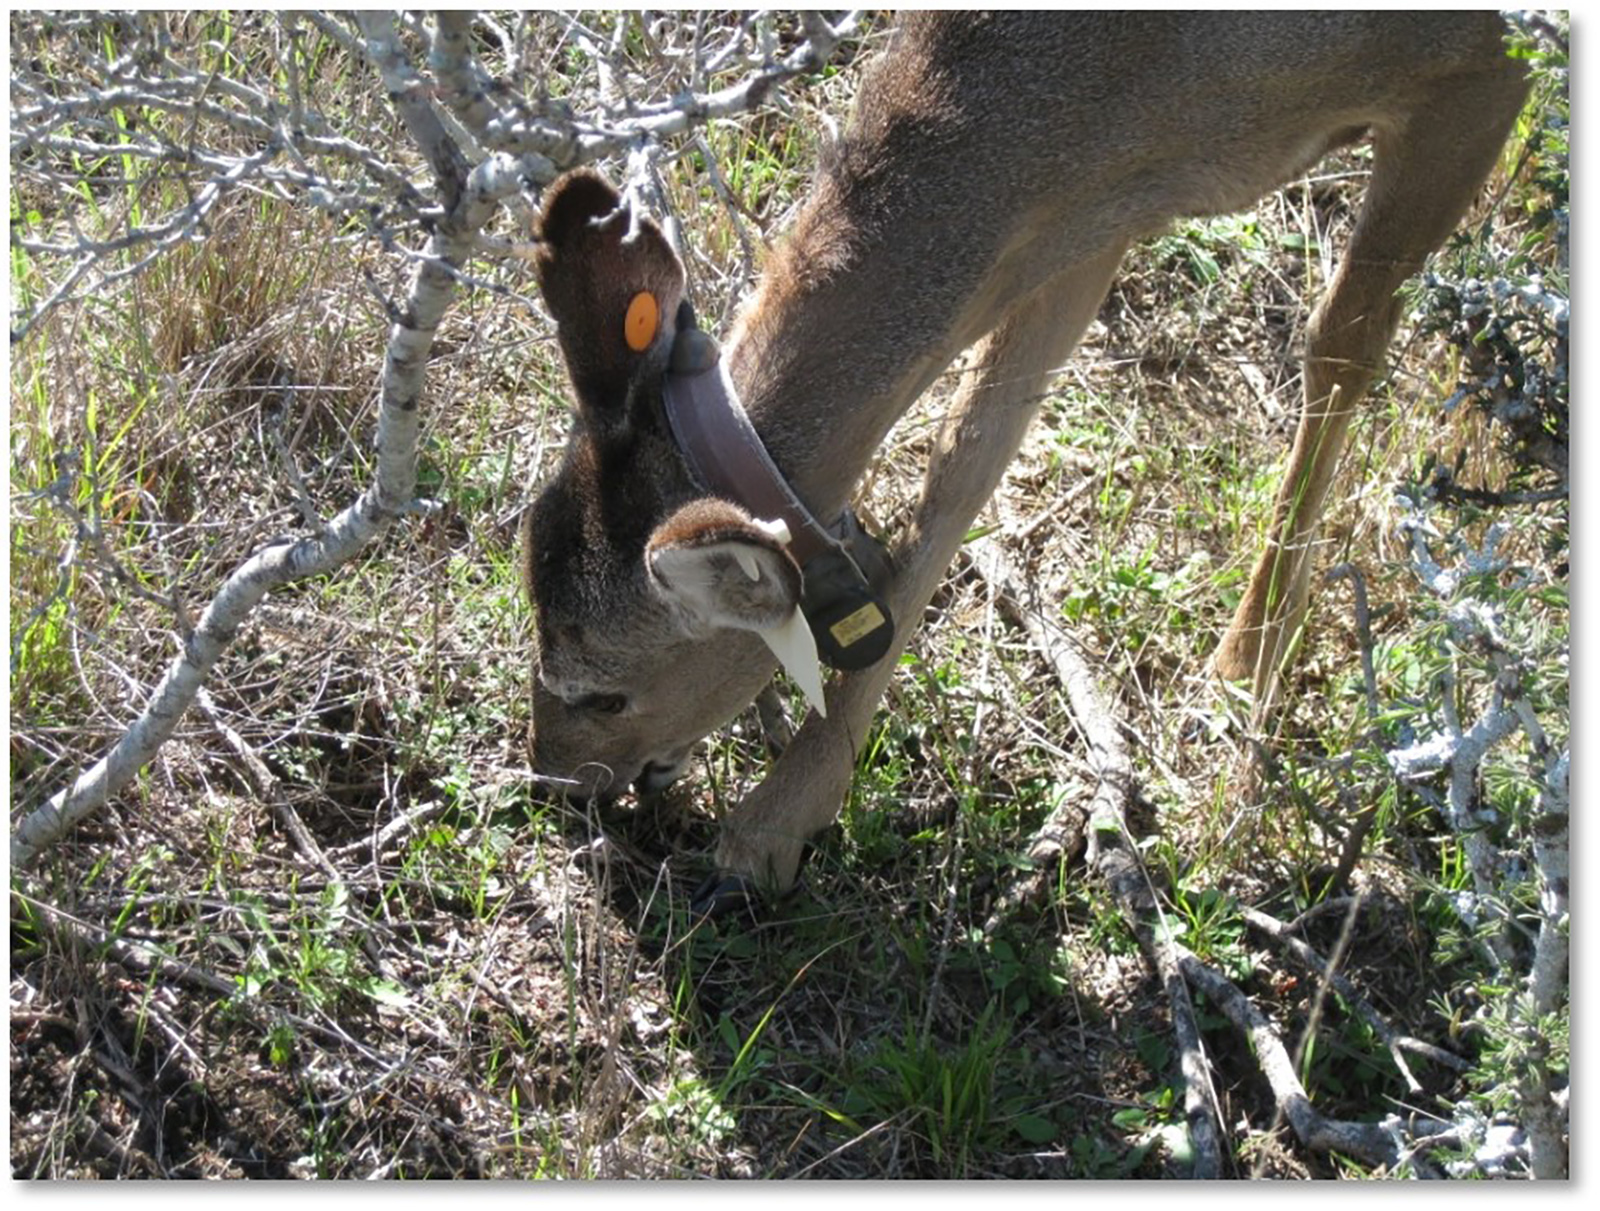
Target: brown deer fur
994,172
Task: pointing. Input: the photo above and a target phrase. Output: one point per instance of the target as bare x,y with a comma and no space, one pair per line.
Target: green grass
515,988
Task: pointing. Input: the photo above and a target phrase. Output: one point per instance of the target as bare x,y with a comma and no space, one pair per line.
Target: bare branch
280,562
1314,963
1111,852
486,146
1370,1142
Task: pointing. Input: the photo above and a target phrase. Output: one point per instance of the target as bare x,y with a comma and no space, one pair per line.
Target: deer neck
825,362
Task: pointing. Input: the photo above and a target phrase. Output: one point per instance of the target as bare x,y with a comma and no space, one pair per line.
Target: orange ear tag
644,317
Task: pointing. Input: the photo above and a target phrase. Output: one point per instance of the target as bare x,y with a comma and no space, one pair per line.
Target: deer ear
613,292
722,568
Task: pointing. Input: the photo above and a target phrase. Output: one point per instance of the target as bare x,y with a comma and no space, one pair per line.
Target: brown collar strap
726,454
845,570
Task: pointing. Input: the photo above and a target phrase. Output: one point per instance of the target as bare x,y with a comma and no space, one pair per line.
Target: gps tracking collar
846,571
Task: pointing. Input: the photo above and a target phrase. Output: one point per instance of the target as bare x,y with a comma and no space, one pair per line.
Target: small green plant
694,1109
1134,597
1207,922
944,1096
316,956
1203,247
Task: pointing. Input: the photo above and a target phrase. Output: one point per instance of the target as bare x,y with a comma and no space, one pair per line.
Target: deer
996,167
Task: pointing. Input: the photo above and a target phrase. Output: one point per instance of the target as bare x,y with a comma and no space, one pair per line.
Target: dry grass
475,981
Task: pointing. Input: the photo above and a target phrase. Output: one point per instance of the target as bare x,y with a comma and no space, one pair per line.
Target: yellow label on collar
854,626
644,317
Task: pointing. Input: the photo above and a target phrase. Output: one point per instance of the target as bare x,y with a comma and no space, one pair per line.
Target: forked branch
1110,854
485,144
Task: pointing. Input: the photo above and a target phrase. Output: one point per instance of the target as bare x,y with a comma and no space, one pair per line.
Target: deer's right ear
613,283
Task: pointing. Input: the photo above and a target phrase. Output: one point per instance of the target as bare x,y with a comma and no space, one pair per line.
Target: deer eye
602,704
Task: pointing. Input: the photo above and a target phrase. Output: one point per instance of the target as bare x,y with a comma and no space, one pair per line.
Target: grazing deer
995,171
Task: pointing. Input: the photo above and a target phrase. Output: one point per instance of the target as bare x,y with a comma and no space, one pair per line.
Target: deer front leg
763,837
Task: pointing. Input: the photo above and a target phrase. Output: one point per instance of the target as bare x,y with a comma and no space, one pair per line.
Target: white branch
280,563
1548,981
526,149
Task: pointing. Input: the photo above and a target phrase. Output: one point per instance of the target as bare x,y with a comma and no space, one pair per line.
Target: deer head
651,598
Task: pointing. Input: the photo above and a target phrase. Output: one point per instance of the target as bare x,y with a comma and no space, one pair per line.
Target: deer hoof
725,895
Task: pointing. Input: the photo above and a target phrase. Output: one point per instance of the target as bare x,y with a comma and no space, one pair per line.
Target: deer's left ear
613,283
722,568
715,563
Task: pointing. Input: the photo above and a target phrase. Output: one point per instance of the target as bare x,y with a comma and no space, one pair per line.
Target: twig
1064,830
1314,963
88,533
1449,490
1544,1120
1110,853
297,484
266,786
936,981
144,958
64,565
719,186
280,562
1548,980
397,827
1368,1142
1361,824
1473,626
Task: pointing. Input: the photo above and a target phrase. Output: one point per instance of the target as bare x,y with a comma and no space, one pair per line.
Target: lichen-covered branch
1492,675
159,105
1110,853
485,145
1307,958
390,496
1370,1142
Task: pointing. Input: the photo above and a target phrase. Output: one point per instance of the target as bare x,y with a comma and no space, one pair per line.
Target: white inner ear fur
776,528
723,583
